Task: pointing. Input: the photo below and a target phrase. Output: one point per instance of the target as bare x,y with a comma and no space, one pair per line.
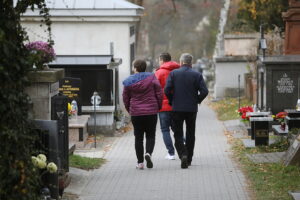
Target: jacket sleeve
126,98
158,75
169,88
158,92
202,89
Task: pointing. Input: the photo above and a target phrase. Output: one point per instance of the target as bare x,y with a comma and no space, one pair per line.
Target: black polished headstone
51,127
281,83
261,129
293,113
59,112
71,87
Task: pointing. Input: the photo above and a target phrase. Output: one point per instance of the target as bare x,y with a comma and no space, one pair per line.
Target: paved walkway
212,176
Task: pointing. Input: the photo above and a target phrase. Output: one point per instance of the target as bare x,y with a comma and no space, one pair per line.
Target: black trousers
186,148
144,124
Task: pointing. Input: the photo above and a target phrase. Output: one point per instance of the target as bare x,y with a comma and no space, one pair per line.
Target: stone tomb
78,130
252,115
261,130
44,85
292,119
97,73
279,89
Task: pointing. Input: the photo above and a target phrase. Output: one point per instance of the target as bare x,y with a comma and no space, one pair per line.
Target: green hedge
18,179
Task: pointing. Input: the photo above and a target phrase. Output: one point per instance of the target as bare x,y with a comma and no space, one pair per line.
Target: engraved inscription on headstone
285,85
261,133
71,87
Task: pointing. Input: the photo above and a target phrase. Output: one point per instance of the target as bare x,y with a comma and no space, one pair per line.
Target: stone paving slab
235,122
295,195
237,129
79,178
248,143
212,176
275,157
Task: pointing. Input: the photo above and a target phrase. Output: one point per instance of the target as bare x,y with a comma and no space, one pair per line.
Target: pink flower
41,52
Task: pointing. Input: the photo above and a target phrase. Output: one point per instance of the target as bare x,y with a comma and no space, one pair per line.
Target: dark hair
166,57
139,65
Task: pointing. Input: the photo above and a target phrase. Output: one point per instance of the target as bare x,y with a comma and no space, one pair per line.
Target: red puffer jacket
162,74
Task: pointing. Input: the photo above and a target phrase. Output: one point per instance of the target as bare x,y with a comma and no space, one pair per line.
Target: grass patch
226,109
85,163
268,181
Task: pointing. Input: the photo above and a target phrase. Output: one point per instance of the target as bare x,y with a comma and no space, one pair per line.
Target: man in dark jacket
185,89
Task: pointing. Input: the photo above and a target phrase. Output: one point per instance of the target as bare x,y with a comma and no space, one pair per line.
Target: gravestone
292,156
51,141
261,129
282,79
293,118
71,87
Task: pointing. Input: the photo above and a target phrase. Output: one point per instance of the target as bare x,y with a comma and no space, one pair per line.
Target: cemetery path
212,176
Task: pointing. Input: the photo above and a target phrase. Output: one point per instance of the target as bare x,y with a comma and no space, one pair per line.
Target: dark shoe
184,162
148,160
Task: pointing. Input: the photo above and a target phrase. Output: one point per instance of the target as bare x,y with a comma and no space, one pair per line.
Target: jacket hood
171,65
137,78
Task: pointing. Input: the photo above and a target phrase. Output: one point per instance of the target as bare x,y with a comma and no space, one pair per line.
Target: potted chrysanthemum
41,53
41,163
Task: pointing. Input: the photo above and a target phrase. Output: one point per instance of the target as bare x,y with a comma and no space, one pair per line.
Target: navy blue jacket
185,89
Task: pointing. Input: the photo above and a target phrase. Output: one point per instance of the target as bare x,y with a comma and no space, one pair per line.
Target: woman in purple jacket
142,97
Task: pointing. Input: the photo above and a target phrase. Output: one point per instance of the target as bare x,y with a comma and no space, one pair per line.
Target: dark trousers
186,148
144,124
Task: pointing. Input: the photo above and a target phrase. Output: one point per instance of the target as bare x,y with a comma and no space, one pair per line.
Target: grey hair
186,58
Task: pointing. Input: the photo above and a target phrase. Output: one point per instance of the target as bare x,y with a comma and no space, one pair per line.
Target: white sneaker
170,157
140,166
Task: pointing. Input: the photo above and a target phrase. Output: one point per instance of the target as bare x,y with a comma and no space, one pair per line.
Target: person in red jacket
162,73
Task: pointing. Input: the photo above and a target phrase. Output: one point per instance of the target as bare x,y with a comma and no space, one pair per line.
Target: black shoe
149,161
184,162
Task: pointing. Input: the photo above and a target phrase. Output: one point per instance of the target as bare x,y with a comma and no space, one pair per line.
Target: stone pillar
292,28
44,85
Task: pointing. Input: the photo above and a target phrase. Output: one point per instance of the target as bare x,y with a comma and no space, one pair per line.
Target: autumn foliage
253,13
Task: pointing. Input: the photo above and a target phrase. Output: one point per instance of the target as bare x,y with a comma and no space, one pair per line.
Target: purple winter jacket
142,94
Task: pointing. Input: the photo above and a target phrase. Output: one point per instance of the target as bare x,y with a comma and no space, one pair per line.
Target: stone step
72,147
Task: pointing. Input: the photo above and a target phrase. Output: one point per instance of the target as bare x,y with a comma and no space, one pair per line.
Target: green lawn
85,163
267,181
226,109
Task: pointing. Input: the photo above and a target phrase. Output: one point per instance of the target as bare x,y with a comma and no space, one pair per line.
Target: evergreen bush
18,179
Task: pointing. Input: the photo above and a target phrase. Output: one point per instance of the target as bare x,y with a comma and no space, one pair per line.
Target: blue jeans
165,124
